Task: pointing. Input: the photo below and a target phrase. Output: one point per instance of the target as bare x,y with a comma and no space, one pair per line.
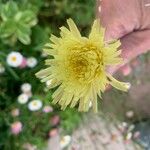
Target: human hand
129,21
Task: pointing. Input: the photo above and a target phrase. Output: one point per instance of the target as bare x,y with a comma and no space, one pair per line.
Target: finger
133,45
126,69
119,17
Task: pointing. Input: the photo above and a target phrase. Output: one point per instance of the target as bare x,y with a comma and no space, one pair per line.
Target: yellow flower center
85,62
34,103
14,58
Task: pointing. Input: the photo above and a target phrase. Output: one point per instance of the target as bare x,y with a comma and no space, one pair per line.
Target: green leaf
28,17
7,28
39,37
23,33
8,10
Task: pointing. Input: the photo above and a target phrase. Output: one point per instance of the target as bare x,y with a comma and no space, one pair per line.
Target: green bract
16,24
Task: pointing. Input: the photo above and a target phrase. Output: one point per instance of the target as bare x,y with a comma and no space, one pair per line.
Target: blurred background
28,120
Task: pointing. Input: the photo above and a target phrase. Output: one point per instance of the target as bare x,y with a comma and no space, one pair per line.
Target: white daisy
65,141
23,98
2,69
31,62
14,59
35,105
47,109
26,87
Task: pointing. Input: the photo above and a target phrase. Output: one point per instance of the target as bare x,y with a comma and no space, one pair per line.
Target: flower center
34,103
14,58
85,62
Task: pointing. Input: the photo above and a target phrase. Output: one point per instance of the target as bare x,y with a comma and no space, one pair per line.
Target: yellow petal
64,30
49,51
73,28
53,84
113,61
57,98
81,104
43,73
74,101
97,30
67,99
114,43
94,101
95,27
54,39
123,86
50,62
47,78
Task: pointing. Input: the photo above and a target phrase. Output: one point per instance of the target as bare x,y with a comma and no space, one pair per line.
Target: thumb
133,45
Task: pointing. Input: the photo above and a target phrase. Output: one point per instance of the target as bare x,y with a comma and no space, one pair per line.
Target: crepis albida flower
78,66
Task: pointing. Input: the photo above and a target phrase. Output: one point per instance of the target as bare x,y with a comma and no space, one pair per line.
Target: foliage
16,23
25,26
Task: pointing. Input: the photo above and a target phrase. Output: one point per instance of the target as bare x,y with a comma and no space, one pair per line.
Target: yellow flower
78,66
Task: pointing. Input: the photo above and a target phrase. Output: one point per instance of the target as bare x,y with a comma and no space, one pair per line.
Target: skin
128,21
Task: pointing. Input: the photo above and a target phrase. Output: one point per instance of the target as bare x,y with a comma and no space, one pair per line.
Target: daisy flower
16,127
47,109
35,105
23,98
26,87
31,62
14,59
78,67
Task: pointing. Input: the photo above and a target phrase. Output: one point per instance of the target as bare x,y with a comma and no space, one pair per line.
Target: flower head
14,59
31,62
23,98
78,66
16,127
47,109
26,87
35,105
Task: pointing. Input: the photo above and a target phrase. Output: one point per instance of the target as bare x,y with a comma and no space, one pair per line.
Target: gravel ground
95,133
99,134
